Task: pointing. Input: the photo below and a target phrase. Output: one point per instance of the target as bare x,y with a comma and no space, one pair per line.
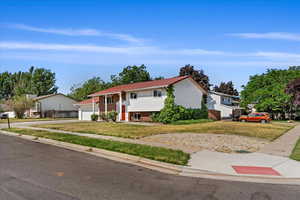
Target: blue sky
229,40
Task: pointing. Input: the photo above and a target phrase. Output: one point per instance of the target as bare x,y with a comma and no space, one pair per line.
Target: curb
156,165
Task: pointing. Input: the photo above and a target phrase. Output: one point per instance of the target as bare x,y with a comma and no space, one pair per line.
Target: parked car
256,117
3,116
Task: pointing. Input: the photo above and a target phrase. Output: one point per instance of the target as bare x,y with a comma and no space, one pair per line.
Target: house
52,105
224,103
138,101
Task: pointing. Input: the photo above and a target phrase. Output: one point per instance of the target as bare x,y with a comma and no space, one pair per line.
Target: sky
230,40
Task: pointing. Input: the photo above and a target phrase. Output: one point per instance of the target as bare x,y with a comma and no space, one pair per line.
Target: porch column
93,105
105,103
120,107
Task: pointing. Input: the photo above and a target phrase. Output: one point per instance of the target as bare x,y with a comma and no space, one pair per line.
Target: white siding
145,101
187,94
214,103
85,111
58,103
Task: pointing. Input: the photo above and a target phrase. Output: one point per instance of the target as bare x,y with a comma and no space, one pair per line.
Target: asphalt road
33,171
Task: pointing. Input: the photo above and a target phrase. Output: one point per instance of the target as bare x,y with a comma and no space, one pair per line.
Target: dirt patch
191,142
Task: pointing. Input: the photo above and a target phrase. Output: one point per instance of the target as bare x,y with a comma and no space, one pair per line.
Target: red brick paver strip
255,170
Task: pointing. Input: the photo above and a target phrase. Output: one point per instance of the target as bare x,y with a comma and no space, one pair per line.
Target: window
110,100
137,116
157,93
133,95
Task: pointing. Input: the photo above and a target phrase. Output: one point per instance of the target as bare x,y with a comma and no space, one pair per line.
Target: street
34,171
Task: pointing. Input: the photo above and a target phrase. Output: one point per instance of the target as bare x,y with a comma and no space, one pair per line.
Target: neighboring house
222,102
138,101
53,105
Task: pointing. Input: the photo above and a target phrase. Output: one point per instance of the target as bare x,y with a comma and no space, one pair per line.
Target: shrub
103,116
172,112
94,117
112,116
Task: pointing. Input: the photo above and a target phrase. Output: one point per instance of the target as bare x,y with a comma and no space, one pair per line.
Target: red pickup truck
256,117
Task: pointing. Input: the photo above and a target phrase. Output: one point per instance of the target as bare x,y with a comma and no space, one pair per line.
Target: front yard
264,131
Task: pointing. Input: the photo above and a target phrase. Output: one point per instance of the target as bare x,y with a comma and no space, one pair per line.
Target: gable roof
88,101
49,95
141,85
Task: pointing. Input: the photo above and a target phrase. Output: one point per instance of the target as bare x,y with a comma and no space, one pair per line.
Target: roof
223,94
141,85
49,95
88,101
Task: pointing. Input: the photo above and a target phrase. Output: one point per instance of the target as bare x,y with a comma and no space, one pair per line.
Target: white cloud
138,50
270,35
79,32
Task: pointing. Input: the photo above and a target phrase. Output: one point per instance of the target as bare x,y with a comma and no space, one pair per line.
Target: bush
103,116
94,117
20,104
172,112
112,116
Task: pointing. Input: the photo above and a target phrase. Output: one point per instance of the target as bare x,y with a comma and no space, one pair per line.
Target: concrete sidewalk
253,164
284,145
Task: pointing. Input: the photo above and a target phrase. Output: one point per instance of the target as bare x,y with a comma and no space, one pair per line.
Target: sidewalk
253,164
284,145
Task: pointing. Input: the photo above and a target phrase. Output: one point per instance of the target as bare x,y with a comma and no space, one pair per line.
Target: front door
123,113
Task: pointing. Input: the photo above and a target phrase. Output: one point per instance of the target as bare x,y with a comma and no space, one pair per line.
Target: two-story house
138,101
222,102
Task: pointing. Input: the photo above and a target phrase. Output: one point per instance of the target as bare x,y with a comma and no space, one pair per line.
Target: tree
42,82
197,75
226,88
267,91
37,81
20,104
81,92
131,74
293,89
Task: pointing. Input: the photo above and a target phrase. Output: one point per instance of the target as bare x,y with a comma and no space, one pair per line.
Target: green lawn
192,121
266,131
12,120
296,152
154,153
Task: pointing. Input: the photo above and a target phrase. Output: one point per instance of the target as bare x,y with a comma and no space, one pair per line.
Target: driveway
34,171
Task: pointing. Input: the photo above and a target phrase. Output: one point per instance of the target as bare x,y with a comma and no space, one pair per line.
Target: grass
266,131
192,121
12,120
154,153
296,152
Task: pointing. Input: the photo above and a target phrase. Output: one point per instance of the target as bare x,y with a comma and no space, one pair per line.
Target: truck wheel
263,121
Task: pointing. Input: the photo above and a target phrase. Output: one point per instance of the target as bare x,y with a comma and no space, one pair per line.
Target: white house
53,105
137,101
222,102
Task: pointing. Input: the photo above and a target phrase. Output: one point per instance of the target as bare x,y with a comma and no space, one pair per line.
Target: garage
85,109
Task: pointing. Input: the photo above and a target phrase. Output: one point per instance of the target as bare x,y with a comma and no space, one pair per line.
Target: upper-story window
157,93
226,100
133,95
110,100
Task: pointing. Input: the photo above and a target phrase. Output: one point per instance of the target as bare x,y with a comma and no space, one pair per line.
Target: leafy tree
294,68
37,81
131,74
293,89
20,104
267,91
226,88
6,85
197,75
42,82
81,92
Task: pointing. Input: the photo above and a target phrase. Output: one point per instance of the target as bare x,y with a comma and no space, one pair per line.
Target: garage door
86,112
